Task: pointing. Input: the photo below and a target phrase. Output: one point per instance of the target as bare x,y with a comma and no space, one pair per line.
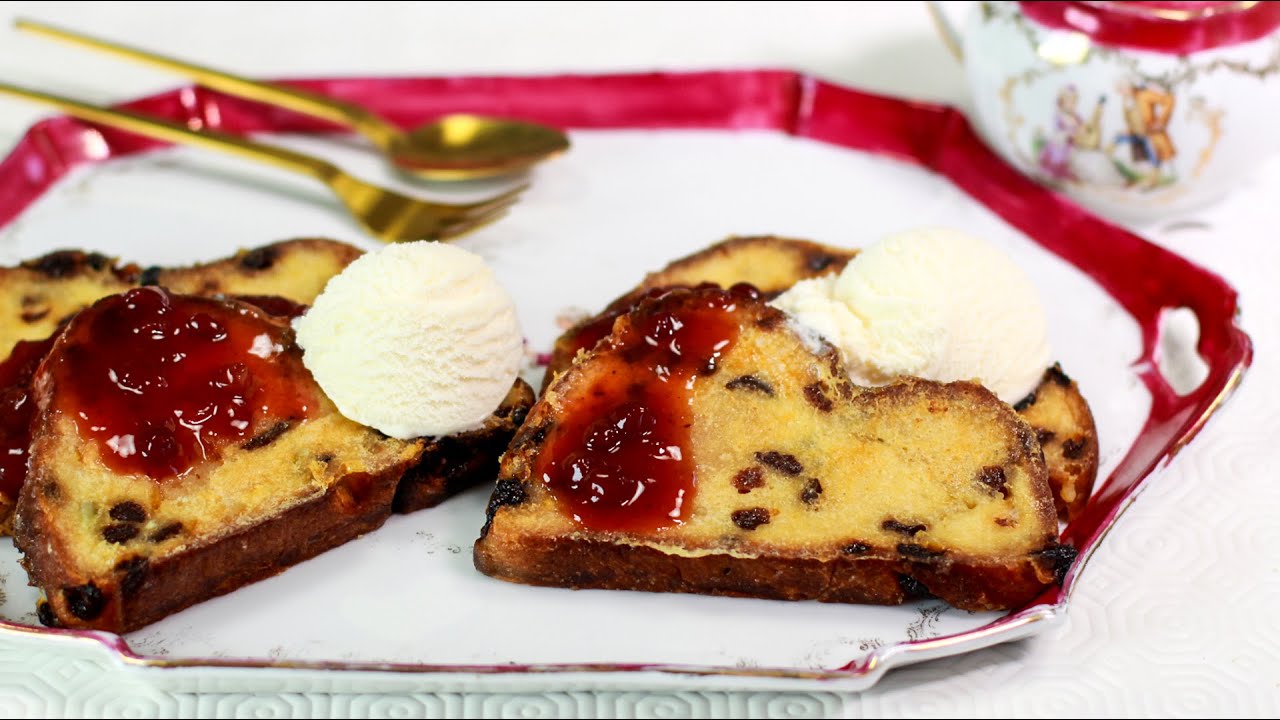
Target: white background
1177,613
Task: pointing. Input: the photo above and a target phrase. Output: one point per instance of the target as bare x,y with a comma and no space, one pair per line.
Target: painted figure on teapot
1139,110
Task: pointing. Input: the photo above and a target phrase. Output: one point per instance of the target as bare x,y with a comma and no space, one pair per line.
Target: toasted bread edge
138,593
578,560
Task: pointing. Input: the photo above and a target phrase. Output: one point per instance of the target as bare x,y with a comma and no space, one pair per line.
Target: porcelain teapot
1138,110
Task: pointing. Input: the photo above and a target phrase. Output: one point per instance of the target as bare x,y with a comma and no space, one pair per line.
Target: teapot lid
1177,28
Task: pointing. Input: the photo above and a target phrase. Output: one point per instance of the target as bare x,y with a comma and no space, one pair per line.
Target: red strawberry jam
164,382
620,460
590,334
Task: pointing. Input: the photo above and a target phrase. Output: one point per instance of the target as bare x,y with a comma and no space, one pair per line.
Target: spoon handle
379,131
179,134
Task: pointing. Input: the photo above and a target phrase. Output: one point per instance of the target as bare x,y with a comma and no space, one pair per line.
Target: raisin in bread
128,516
710,446
773,264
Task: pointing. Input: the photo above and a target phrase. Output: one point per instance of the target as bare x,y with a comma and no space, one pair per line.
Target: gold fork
386,214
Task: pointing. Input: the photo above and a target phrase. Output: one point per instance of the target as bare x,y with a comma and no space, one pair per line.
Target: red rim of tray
932,136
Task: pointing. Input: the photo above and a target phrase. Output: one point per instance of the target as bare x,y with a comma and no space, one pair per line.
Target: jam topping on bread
163,382
767,263
622,461
17,404
803,486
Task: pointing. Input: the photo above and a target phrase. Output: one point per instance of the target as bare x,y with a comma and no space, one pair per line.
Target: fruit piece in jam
620,460
163,382
588,335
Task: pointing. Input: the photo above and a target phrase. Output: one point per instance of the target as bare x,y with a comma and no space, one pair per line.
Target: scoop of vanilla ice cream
935,303
415,339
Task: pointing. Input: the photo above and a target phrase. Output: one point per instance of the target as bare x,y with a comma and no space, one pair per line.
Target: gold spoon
455,147
385,214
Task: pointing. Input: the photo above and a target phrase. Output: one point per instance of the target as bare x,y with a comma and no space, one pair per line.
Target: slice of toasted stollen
804,486
116,549
1056,409
40,294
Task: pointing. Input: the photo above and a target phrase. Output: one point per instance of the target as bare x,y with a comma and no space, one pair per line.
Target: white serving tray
620,204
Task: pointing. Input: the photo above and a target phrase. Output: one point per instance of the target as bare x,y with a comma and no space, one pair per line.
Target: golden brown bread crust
978,545
884,580
1060,414
140,591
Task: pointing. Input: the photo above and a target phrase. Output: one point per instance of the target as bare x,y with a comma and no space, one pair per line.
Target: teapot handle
946,29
